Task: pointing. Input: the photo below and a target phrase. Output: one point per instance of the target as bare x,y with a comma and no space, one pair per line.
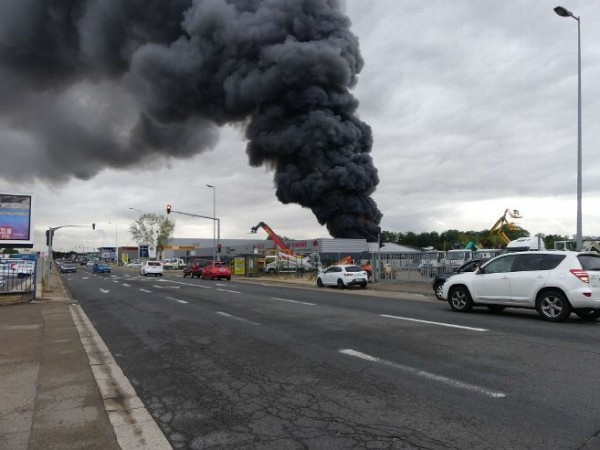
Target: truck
173,263
286,260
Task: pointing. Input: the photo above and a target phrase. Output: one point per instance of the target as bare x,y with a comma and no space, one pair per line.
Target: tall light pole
563,12
214,221
116,245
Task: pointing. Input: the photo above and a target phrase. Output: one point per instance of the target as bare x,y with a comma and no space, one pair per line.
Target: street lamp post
214,221
116,245
563,12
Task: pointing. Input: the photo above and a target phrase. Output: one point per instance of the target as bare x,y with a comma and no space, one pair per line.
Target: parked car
342,276
554,283
100,267
67,267
173,263
136,264
194,267
216,271
90,263
440,279
151,268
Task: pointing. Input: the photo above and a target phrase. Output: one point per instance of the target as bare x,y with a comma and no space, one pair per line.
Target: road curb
133,425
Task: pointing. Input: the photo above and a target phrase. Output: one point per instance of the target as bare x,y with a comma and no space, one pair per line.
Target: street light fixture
563,12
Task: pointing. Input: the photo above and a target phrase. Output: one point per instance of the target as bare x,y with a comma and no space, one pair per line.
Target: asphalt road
226,364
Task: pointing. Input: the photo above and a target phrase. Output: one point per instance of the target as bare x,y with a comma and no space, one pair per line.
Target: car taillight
581,274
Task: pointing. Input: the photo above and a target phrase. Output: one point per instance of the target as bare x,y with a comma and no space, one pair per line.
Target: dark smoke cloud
114,83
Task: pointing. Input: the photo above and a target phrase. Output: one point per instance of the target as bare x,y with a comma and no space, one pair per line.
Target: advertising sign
239,266
15,220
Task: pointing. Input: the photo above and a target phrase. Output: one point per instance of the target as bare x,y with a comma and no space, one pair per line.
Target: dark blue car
100,268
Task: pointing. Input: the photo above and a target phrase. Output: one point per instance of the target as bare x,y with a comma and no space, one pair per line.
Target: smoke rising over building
89,85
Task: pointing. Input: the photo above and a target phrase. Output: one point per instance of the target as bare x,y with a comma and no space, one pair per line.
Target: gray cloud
182,68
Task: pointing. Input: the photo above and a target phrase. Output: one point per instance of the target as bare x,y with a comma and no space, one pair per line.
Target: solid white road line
126,285
133,425
227,290
166,287
424,374
241,319
145,290
292,301
441,324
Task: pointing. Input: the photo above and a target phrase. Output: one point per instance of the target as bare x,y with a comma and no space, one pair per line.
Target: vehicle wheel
228,279
160,274
340,284
364,285
185,275
588,314
553,306
496,308
319,282
437,287
460,300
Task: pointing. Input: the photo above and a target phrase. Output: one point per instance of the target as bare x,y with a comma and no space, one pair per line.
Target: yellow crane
497,228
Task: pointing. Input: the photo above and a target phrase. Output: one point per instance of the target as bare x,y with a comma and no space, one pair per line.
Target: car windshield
353,269
589,262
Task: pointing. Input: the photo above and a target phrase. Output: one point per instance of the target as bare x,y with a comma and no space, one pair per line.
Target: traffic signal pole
218,258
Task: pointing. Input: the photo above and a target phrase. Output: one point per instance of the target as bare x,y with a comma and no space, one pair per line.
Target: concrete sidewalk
59,387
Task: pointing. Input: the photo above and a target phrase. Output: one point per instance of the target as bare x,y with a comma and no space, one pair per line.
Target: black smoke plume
91,84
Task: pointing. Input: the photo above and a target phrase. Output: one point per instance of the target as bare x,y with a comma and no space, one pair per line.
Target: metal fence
18,274
413,267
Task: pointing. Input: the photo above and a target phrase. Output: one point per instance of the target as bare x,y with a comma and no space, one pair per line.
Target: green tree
152,229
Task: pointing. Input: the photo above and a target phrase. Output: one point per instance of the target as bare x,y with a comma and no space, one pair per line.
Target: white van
526,244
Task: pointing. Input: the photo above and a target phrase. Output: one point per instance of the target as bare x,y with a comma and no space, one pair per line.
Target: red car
195,267
216,271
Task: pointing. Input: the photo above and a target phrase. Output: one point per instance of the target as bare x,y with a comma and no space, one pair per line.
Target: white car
555,283
136,263
342,276
151,268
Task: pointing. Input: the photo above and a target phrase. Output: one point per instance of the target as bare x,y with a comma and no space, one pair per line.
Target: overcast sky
473,108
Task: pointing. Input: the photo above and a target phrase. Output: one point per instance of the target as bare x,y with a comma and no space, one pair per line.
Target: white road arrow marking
105,291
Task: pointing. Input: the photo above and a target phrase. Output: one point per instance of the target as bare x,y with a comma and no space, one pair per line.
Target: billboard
15,220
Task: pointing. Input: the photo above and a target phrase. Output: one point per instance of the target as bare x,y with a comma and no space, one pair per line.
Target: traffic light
168,209
218,248
93,226
49,236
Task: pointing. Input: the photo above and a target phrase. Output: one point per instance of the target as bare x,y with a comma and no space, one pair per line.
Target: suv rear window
589,262
536,262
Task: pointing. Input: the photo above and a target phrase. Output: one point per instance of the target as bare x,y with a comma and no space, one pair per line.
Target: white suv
342,276
151,267
555,283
